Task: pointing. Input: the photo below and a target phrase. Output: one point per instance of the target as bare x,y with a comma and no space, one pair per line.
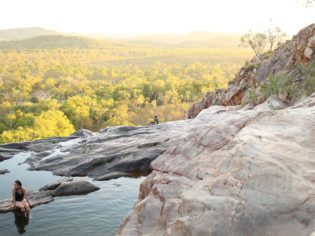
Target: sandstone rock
195,109
308,52
284,59
248,172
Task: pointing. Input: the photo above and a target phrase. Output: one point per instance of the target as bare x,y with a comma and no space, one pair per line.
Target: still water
98,213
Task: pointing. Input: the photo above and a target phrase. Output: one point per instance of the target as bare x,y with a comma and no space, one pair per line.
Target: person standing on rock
20,199
155,120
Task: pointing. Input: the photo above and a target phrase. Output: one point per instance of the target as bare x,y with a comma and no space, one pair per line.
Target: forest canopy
54,91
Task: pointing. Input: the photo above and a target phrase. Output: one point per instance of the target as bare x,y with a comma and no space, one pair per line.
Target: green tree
256,41
274,34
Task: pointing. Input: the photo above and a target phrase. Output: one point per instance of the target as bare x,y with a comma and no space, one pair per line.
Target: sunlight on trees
54,92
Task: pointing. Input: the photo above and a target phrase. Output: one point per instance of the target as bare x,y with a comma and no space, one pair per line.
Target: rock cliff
301,49
248,172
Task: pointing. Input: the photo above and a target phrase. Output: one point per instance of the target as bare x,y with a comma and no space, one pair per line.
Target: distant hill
195,39
24,33
39,38
54,42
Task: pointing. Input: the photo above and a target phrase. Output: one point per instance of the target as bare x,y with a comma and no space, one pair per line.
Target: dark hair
18,182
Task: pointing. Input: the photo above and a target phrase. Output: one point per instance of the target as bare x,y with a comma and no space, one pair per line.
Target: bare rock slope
248,172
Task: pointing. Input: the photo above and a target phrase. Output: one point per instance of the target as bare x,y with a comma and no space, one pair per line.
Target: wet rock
7,153
8,150
113,175
74,188
3,172
36,198
54,185
113,152
83,133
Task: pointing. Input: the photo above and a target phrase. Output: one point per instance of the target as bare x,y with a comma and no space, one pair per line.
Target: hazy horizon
100,34
145,17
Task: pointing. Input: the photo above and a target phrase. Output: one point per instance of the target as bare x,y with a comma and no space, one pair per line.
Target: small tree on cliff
256,41
274,35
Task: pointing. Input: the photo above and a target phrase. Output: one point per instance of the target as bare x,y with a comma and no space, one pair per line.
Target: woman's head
17,184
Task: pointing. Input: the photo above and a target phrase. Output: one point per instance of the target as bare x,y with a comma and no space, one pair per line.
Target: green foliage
252,96
271,35
47,124
70,89
308,71
274,35
288,86
256,41
277,84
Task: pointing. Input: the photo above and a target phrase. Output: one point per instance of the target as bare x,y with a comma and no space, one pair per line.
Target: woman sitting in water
20,199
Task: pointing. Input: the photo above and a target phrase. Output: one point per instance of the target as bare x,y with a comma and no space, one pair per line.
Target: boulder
74,188
82,133
54,185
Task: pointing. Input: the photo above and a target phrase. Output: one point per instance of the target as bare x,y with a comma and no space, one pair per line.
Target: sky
134,17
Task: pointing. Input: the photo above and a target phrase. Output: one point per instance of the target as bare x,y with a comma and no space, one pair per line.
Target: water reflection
20,221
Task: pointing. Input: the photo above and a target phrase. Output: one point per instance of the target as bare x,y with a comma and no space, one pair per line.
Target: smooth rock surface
114,151
53,186
247,172
74,188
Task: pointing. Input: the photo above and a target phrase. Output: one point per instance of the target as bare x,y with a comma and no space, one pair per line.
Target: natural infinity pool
98,213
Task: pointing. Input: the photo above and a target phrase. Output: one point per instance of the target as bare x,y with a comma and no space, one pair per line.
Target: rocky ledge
111,153
247,172
46,194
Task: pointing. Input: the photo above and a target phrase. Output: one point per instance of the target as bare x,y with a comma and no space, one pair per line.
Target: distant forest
53,85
